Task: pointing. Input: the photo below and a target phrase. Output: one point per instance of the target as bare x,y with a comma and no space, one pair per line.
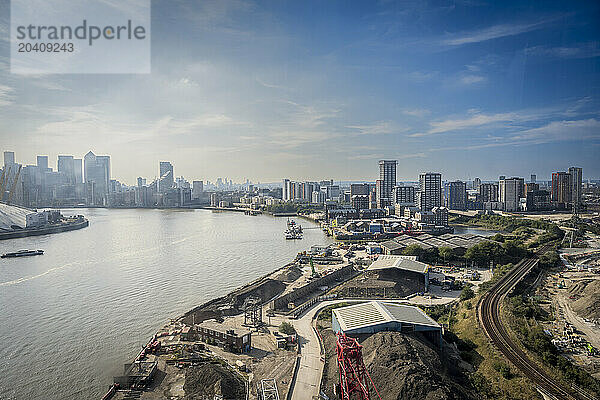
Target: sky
263,90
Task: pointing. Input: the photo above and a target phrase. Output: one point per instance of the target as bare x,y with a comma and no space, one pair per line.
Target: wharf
54,228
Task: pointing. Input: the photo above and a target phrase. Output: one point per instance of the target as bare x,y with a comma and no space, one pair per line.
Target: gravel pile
206,381
587,305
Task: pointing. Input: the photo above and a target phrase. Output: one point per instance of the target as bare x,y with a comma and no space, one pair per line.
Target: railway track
488,314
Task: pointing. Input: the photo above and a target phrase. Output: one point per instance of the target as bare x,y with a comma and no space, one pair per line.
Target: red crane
353,373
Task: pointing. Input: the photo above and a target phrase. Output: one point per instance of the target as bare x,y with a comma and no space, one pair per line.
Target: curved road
308,378
488,312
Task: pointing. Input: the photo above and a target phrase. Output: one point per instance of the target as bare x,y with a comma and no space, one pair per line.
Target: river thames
71,318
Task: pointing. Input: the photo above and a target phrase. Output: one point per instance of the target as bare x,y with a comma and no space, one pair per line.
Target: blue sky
311,90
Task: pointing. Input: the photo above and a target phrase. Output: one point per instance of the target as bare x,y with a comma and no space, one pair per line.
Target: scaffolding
253,312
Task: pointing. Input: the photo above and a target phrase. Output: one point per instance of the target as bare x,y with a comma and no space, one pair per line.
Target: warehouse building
408,264
381,316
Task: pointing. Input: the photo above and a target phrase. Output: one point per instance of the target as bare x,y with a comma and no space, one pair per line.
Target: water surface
70,318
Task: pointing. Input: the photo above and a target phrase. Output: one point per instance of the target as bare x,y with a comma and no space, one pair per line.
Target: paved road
308,379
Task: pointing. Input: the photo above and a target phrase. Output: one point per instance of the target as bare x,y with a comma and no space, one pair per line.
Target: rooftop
378,312
409,263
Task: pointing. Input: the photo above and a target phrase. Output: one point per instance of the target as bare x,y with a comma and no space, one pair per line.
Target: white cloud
416,112
583,50
419,76
6,95
493,32
472,79
562,130
377,128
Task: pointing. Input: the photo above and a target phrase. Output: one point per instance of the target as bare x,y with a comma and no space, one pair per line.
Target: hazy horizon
267,90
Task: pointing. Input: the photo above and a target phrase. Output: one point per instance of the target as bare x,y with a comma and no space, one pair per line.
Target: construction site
572,297
234,346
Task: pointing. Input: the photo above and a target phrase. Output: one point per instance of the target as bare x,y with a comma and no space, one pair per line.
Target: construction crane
14,185
352,370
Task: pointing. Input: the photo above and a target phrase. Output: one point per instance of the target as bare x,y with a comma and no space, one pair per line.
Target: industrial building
403,263
457,242
380,316
237,340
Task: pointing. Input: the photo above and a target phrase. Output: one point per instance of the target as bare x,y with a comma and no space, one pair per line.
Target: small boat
23,253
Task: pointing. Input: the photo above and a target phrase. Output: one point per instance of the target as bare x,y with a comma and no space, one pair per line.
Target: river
71,318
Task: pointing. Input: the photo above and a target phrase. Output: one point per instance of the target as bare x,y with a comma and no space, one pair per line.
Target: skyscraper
457,195
9,158
78,170
42,163
561,187
576,178
197,189
96,171
166,179
387,176
430,191
285,193
488,192
511,191
66,167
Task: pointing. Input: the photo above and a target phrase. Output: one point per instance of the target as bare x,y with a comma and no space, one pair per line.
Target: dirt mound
265,290
402,367
388,283
417,368
587,304
290,274
208,380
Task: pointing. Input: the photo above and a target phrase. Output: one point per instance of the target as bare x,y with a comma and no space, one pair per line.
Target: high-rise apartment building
457,195
576,178
430,191
387,176
285,193
166,180
511,190
404,195
488,192
561,188
359,189
476,183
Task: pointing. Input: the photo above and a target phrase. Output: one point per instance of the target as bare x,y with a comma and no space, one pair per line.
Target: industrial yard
572,296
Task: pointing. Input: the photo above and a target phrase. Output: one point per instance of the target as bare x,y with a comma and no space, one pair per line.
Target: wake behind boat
23,253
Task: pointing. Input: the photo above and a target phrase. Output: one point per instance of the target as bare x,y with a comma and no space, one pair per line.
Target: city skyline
454,87
373,179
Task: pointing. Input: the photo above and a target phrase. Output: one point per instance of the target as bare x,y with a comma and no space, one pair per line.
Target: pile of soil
403,367
206,381
290,274
588,304
388,283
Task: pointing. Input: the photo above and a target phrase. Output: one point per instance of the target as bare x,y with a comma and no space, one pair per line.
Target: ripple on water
69,319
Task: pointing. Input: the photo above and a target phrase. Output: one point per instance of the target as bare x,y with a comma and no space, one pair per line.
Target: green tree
484,252
287,328
467,293
413,250
445,253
